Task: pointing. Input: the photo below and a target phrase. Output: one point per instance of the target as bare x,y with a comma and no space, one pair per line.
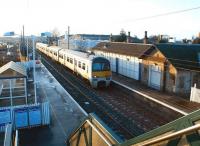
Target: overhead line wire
165,14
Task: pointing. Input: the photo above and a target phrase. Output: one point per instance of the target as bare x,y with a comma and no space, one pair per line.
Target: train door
117,65
64,59
75,65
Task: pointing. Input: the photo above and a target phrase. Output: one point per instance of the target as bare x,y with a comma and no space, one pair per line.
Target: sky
100,17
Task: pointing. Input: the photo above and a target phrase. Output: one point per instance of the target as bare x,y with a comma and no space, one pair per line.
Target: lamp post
27,49
33,40
68,37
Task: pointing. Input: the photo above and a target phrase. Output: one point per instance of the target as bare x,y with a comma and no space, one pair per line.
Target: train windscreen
101,64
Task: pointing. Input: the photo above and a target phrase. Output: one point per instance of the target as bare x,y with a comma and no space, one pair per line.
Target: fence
25,116
195,94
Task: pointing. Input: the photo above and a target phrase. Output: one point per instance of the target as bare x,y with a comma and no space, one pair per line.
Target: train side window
79,64
67,59
71,60
61,56
75,62
83,66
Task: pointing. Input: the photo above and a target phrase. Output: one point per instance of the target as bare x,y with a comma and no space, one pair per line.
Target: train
95,69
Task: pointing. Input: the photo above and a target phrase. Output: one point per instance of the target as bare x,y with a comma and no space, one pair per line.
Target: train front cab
101,72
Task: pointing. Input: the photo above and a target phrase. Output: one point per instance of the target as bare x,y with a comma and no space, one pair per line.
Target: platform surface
1,139
65,114
171,99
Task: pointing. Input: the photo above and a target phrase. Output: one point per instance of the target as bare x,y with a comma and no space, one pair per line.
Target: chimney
128,37
145,38
111,38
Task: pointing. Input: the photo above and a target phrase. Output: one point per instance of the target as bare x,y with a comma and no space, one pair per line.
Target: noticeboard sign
21,117
34,116
5,117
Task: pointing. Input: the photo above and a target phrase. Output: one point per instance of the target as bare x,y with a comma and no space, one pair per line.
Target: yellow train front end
101,72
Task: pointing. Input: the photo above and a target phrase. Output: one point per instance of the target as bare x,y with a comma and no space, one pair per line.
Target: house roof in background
130,49
181,55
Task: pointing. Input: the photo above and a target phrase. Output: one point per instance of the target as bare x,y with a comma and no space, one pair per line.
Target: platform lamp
27,57
33,41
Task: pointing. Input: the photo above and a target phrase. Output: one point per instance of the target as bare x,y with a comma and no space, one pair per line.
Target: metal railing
172,135
8,135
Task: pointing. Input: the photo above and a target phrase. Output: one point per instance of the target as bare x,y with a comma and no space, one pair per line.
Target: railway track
126,113
91,102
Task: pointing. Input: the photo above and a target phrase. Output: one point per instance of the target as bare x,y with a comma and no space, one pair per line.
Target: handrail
106,141
16,142
172,135
77,128
8,135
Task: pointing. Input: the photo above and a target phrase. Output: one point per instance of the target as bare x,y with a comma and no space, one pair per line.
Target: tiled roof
181,55
130,49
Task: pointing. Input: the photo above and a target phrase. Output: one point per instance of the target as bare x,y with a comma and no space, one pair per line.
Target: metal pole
11,98
25,90
99,133
27,49
33,41
68,37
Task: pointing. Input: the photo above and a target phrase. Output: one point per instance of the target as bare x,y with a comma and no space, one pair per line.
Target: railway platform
1,138
174,102
66,115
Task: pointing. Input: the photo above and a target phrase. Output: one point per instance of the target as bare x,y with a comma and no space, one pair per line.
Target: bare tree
55,32
54,39
81,45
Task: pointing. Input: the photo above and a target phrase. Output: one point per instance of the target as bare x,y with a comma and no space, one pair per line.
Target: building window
67,59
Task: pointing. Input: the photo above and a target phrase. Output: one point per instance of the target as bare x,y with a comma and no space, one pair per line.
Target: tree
121,37
81,45
55,32
53,40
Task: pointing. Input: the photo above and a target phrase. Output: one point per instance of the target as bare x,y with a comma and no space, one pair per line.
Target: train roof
78,53
83,55
42,44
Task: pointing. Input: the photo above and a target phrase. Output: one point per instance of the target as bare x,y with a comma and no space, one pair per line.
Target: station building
173,68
